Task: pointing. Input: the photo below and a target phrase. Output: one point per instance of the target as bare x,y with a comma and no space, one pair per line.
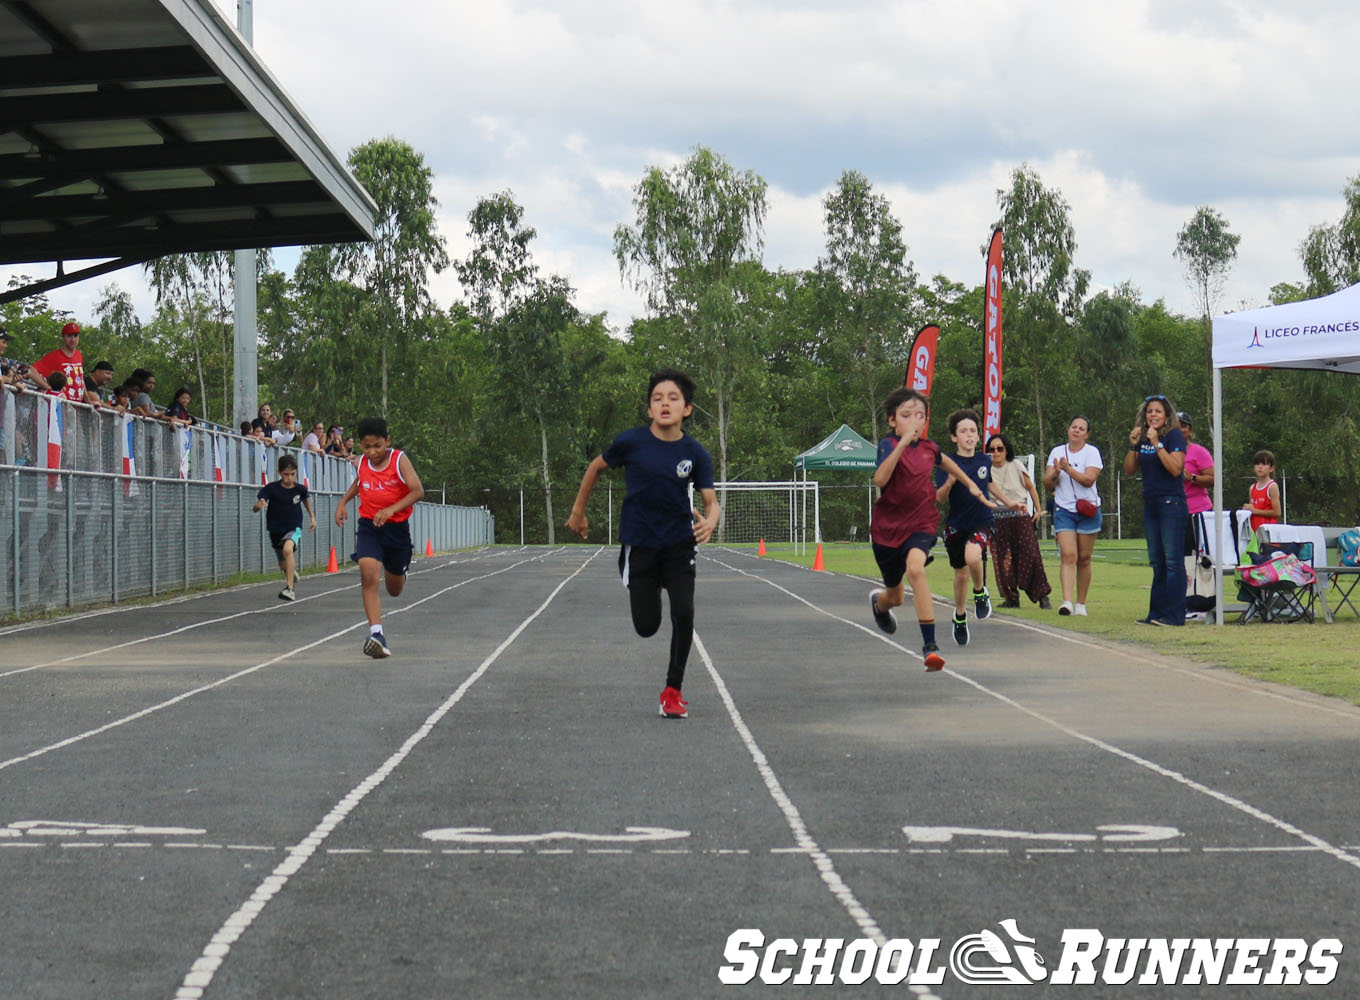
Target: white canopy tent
1321,333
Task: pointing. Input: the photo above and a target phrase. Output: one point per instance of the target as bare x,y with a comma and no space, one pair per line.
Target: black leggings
647,572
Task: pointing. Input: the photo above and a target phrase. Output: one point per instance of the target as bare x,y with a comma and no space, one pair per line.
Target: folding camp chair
1282,600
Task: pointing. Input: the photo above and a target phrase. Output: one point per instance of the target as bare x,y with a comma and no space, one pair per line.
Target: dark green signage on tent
845,448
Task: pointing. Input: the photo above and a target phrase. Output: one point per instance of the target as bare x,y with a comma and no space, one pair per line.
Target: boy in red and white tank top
387,487
1264,499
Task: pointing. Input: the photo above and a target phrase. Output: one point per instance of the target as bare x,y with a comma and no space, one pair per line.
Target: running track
219,796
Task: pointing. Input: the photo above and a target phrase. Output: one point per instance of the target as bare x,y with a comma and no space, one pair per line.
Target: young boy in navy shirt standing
658,528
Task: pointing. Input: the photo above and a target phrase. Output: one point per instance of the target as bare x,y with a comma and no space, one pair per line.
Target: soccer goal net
784,513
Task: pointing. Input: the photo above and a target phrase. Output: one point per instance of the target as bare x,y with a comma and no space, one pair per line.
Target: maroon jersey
907,504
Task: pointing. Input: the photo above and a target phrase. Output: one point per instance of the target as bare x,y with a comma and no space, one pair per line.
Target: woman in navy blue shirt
1157,449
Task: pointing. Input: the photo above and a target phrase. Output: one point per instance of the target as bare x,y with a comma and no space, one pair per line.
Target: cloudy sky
1136,111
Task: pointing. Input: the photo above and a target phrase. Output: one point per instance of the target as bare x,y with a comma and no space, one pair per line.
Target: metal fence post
14,562
114,511
213,497
70,541
184,529
152,510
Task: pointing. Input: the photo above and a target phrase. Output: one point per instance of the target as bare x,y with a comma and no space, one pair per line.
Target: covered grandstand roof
136,128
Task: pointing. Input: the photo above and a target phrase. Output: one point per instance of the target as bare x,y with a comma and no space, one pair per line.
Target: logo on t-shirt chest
684,468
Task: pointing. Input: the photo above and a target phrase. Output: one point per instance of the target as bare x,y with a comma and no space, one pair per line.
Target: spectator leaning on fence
97,379
67,360
11,372
312,442
288,429
178,410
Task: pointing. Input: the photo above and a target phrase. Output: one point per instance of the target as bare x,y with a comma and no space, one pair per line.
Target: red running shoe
931,654
673,706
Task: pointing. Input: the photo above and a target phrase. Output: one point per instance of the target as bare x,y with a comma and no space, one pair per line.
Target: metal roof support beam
69,278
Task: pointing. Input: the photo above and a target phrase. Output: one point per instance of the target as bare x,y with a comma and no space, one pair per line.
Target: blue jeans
1164,522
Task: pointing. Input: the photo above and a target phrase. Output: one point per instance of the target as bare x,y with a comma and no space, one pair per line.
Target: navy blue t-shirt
284,513
656,509
1157,482
966,512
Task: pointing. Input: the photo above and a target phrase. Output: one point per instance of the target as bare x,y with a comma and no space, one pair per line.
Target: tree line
515,387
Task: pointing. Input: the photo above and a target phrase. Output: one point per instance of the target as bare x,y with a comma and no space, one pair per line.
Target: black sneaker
1009,604
930,652
1045,604
982,604
961,630
883,619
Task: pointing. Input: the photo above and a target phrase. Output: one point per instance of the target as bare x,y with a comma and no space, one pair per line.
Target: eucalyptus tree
1331,253
1044,288
393,269
1206,247
869,283
525,318
696,227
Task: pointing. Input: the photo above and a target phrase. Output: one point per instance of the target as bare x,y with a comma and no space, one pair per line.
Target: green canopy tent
844,448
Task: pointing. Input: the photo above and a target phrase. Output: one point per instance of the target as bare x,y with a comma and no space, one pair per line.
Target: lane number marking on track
483,835
1127,833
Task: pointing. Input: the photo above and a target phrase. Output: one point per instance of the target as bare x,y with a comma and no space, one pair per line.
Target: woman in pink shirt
1199,480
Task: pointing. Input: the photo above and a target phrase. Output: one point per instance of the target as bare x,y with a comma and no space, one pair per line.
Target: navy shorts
277,540
955,543
390,544
892,562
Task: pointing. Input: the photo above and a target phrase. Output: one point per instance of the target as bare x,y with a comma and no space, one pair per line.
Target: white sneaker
1080,609
1065,608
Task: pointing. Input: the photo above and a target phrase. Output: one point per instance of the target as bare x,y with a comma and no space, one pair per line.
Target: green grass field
1320,658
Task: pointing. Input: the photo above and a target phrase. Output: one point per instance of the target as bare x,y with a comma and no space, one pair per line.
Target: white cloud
1137,111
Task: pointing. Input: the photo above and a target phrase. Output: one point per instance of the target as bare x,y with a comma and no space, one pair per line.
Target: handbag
1084,507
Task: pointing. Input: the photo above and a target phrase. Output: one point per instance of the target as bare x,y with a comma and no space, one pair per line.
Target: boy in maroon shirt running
905,517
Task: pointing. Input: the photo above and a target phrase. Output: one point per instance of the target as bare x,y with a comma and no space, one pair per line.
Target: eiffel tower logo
1255,338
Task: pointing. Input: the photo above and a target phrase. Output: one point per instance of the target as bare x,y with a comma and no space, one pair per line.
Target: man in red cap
67,360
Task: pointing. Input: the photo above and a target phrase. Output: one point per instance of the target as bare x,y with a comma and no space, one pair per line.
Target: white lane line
221,681
215,953
1260,689
123,609
1348,857
711,851
272,608
820,858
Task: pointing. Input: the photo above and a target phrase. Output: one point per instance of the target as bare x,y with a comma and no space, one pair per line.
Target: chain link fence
76,531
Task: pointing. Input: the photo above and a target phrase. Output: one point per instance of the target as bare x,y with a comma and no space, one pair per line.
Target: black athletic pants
646,572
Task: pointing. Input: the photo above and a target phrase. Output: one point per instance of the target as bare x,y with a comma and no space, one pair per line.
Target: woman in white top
1071,473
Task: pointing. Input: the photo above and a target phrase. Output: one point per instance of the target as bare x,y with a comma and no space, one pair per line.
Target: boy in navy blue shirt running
658,528
285,498
968,527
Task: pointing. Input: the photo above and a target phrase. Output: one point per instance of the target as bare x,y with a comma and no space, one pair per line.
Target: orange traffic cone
332,566
817,564
429,548
761,551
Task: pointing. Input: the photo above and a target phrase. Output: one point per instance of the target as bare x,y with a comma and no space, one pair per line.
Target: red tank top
382,488
1260,500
